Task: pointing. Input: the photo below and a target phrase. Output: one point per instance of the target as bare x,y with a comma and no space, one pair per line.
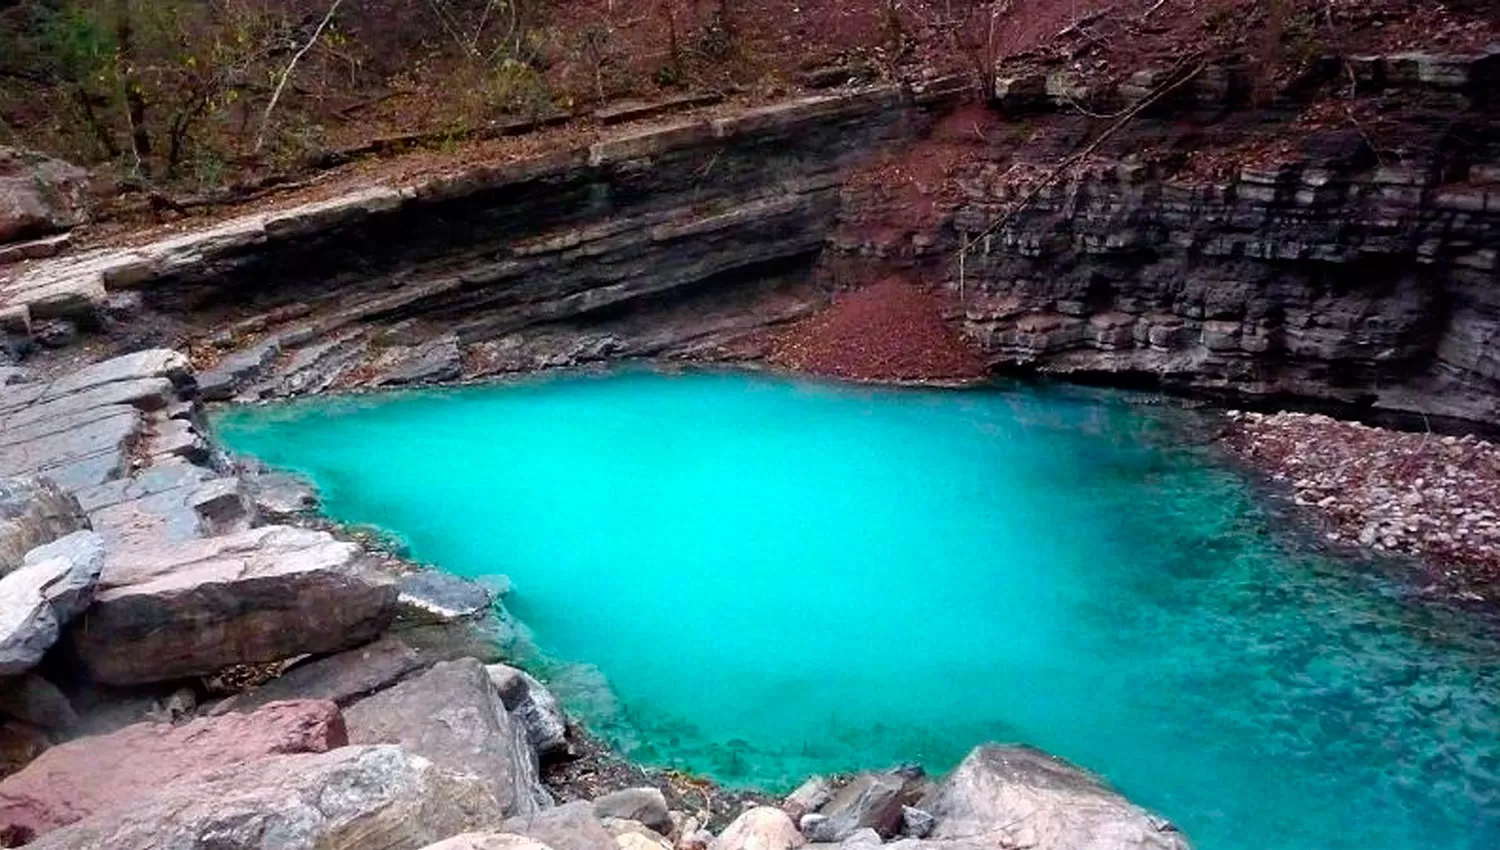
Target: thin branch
286,73
1063,166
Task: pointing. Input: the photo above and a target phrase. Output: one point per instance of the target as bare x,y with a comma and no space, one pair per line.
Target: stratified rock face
452,715
760,828
194,607
89,775
39,194
33,511
352,798
1021,797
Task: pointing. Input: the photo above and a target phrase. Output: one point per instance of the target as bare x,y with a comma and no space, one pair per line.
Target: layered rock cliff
1339,244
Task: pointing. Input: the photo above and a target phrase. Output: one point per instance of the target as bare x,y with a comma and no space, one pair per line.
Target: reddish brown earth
891,331
74,780
1431,497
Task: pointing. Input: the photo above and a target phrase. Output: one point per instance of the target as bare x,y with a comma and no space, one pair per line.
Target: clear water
760,579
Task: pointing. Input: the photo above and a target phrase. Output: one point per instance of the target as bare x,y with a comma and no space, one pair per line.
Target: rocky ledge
184,663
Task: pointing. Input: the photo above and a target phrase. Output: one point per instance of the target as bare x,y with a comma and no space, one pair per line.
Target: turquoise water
758,579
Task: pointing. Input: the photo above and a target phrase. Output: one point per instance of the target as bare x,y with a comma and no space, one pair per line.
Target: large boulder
760,828
352,798
646,806
196,606
39,194
529,701
572,826
452,715
33,511
1021,797
54,584
868,801
70,782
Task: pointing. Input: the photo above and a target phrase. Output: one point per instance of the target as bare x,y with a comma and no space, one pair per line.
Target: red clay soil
890,331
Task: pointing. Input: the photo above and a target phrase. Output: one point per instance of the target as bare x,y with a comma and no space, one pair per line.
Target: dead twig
1162,91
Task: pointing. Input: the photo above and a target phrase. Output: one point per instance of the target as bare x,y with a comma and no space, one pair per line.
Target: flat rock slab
346,799
152,363
113,436
195,607
452,715
75,780
1022,797
142,393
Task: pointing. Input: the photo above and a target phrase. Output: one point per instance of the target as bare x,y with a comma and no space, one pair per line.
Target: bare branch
286,74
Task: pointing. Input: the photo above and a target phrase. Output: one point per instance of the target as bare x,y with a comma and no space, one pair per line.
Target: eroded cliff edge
1335,244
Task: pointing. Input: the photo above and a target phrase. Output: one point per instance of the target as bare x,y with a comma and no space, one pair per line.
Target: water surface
759,579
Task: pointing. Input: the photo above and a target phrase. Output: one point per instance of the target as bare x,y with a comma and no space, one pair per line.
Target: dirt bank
891,331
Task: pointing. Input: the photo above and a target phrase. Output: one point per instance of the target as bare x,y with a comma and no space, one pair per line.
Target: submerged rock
433,596
452,715
80,778
352,797
1021,797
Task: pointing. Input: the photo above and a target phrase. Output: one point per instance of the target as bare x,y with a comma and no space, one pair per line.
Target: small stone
646,806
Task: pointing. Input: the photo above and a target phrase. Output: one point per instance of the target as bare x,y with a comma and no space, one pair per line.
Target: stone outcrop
452,715
39,195
193,607
350,798
75,780
646,806
1021,797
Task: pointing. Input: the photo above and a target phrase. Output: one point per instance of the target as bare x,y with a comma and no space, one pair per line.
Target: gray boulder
808,797
33,511
196,606
54,584
39,195
452,715
433,596
345,799
1021,797
529,701
869,801
572,826
646,806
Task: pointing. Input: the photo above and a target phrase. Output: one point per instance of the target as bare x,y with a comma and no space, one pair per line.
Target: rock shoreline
1432,498
189,658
